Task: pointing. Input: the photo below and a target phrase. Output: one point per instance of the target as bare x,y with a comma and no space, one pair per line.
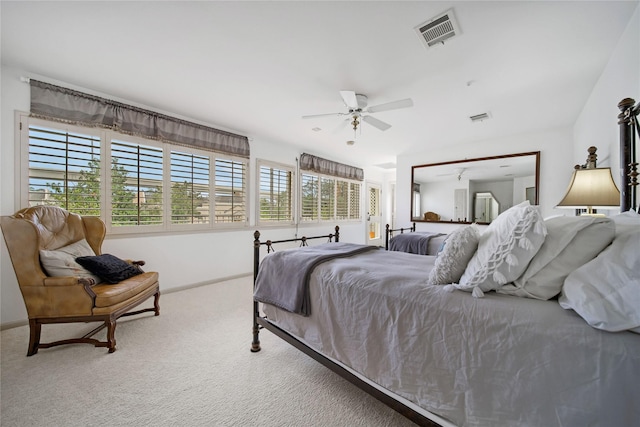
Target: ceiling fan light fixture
355,122
358,111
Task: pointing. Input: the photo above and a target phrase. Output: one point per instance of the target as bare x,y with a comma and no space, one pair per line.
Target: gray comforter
413,243
500,360
283,277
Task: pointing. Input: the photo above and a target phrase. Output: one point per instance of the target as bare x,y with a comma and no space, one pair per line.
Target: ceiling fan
358,111
457,172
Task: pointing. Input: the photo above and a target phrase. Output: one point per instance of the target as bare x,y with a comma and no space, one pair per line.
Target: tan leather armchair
431,216
69,299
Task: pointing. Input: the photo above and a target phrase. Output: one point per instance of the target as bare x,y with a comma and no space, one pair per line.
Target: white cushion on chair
62,262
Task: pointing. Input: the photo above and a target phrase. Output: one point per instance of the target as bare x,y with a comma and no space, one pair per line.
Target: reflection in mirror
474,190
415,194
487,207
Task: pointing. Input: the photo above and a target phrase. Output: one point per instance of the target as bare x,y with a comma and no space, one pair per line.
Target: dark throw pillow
108,267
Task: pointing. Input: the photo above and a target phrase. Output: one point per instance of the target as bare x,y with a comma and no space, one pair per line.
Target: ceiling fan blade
376,123
313,116
403,103
349,98
341,126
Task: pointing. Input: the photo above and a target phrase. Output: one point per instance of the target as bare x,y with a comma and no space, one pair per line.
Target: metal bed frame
389,233
629,128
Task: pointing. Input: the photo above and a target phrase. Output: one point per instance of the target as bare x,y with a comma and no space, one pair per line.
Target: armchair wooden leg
156,302
111,334
34,336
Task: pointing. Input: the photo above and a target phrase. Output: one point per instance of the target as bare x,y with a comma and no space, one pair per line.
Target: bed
543,331
413,242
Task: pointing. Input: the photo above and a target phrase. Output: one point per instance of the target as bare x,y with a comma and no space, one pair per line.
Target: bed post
255,344
337,233
386,237
628,164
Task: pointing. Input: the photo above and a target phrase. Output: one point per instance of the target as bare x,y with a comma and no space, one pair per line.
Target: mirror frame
536,154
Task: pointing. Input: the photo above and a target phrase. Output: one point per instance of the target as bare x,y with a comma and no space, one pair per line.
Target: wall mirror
474,190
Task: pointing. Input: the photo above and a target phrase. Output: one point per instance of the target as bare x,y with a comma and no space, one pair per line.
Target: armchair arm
78,297
61,281
86,283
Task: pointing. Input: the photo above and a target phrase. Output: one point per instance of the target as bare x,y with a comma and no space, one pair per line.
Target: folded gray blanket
283,277
414,243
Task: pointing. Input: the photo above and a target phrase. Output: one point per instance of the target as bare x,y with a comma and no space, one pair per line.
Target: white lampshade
591,188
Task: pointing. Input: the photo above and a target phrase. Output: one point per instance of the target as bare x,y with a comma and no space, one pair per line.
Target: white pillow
62,261
456,251
606,290
571,242
626,221
505,249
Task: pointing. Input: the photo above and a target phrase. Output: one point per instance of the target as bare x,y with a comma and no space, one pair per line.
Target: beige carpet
191,366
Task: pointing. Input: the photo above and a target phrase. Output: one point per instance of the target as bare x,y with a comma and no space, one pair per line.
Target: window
342,200
133,184
309,197
136,184
64,169
189,188
328,198
275,199
354,200
230,191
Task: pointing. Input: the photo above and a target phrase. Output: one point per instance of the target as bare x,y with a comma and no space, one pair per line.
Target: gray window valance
61,104
329,167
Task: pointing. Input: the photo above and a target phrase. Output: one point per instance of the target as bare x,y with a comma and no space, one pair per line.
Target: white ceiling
255,68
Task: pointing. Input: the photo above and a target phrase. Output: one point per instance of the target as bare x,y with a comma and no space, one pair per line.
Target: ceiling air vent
480,117
436,30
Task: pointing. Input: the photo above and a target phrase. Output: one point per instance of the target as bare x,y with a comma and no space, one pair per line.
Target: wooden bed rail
389,233
255,344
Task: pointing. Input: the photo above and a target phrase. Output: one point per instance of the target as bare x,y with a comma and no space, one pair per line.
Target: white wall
597,123
555,146
560,149
183,260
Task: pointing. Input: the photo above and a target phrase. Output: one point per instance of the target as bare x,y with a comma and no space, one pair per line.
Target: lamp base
597,215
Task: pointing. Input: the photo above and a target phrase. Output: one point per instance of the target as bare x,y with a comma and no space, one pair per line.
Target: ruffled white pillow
452,259
504,250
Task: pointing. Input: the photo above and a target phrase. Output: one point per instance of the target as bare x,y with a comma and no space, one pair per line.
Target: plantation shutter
275,194
230,187
64,170
309,196
136,184
189,188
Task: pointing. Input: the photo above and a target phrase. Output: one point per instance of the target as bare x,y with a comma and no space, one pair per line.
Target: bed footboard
257,324
389,233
